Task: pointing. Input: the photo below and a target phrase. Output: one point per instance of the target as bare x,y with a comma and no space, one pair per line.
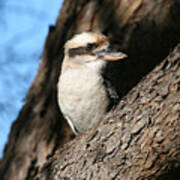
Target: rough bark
140,139
146,30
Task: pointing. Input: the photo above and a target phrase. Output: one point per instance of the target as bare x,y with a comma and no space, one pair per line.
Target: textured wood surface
140,139
144,29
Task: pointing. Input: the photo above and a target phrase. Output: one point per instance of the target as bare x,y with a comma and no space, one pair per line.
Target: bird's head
90,49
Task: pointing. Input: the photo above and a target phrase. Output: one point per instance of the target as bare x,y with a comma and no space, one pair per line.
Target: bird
84,95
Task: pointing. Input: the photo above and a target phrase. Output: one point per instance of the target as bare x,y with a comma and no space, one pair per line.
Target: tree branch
139,140
146,31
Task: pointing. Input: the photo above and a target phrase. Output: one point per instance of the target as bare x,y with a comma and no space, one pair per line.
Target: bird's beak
110,55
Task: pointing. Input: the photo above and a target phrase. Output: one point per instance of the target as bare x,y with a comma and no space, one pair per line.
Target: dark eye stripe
79,51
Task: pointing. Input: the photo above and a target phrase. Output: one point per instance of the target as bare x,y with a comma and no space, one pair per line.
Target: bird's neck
94,67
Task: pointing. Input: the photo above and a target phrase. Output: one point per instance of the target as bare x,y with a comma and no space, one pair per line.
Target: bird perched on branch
83,94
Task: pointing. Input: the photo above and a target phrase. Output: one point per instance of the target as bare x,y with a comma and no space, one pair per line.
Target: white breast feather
82,98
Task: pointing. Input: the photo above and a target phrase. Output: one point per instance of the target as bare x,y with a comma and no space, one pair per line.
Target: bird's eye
91,46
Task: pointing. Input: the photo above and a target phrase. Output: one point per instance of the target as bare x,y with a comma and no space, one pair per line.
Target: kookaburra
83,93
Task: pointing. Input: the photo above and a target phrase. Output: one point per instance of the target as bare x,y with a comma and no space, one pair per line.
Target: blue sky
23,30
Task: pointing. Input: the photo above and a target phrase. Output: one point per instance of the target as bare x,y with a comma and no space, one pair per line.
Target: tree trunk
139,139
